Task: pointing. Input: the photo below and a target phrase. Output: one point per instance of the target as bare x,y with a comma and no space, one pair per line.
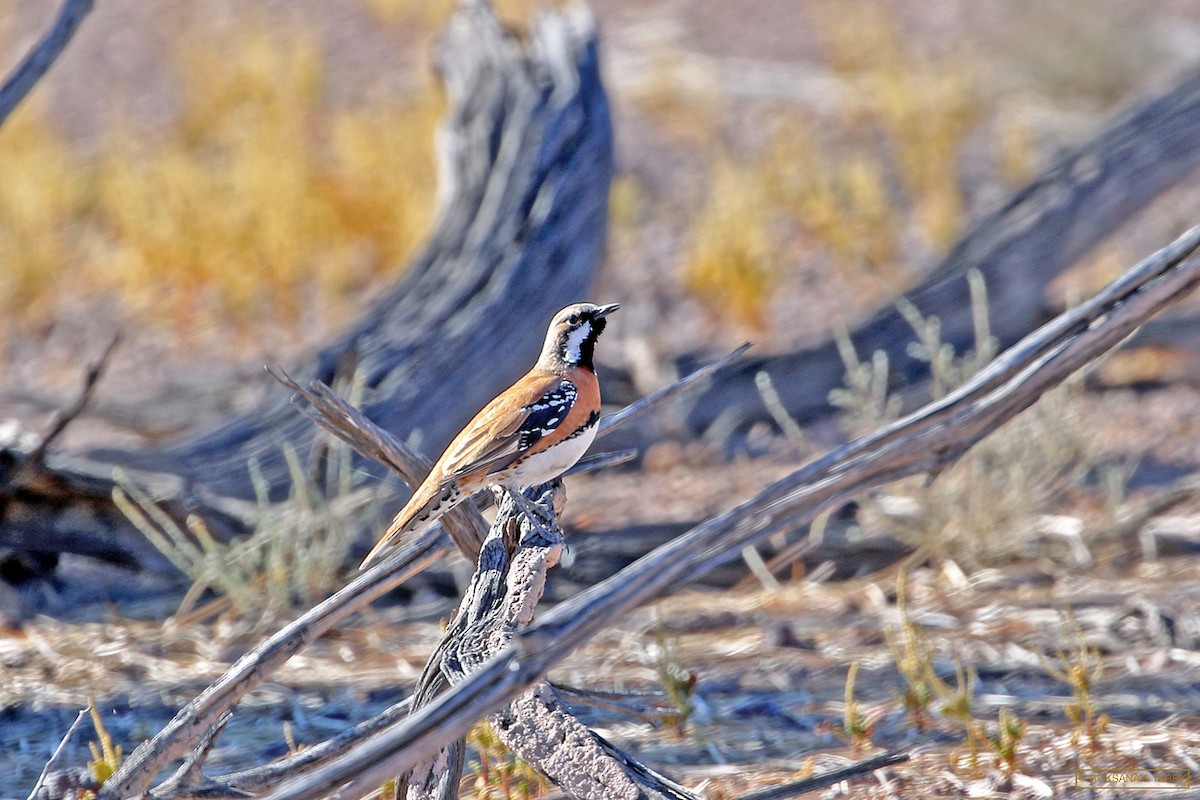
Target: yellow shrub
256,203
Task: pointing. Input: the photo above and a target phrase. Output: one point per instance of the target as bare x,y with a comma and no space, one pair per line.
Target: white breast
552,462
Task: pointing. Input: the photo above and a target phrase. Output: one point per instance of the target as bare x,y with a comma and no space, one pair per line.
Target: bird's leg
535,512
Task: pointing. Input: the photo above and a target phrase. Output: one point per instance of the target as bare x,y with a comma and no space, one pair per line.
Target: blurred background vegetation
234,175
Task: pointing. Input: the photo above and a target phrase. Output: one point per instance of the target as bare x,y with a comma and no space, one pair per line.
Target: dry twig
43,56
823,779
64,418
57,757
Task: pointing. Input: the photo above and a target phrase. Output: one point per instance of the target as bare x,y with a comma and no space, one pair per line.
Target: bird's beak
604,311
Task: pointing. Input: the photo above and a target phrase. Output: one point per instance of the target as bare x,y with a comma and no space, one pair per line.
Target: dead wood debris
925,441
921,442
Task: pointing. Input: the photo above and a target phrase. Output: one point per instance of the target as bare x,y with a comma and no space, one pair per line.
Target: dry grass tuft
881,175
733,259
296,554
498,773
984,508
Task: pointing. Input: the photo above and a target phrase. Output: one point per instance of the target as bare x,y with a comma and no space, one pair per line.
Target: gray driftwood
1019,250
925,441
525,163
508,583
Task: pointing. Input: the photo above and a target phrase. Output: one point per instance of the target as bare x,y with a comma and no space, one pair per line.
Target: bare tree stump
525,158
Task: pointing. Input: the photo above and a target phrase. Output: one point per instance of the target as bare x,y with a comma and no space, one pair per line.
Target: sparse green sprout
955,704
914,660
1011,731
677,681
865,402
857,727
106,756
499,774
1080,666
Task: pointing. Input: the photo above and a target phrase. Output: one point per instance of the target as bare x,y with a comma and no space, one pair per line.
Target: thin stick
64,418
692,380
59,752
829,778
43,56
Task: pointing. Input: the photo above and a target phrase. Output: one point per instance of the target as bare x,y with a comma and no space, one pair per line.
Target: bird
528,435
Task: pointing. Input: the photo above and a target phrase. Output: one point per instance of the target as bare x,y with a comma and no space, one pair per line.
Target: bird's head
571,340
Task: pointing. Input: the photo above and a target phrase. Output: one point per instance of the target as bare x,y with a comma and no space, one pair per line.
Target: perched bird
529,434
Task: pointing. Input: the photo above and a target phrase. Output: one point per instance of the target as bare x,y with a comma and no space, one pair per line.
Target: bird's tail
423,509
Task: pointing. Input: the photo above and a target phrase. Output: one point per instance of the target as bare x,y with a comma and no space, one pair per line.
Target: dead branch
57,757
506,586
340,419
924,442
258,779
23,470
828,778
538,728
43,56
63,418
189,779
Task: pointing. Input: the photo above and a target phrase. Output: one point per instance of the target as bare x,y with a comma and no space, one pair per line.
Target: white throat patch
573,350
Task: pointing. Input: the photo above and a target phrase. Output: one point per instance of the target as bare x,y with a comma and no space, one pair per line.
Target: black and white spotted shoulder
547,413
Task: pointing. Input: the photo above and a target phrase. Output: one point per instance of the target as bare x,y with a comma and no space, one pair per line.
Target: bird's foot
536,513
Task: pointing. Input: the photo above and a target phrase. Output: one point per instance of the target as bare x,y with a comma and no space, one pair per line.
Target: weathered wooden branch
1019,249
340,419
56,758
43,56
923,442
509,577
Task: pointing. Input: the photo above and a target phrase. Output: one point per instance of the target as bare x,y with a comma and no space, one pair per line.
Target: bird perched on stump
526,436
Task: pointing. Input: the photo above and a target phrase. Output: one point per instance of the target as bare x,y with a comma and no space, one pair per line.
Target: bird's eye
573,319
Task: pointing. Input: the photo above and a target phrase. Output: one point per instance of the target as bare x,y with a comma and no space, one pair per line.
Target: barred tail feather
423,509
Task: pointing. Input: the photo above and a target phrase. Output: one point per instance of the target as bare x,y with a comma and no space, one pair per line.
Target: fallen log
1042,230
